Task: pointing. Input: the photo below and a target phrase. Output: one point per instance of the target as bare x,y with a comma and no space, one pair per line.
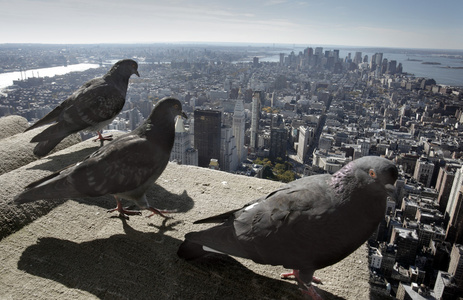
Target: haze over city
397,24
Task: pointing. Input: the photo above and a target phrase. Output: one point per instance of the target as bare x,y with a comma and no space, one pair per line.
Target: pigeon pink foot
103,138
124,213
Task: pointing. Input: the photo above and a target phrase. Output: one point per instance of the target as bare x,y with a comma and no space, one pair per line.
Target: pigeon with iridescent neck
306,225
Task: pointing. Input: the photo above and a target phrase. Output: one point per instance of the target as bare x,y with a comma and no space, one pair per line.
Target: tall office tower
255,62
239,128
319,51
228,154
207,132
378,59
454,193
182,151
305,137
310,54
456,264
392,67
358,57
282,59
454,232
278,141
399,69
373,62
365,59
444,185
423,171
384,66
255,117
336,55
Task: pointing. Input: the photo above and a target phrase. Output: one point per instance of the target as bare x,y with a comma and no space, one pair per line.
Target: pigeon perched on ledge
90,108
306,225
125,168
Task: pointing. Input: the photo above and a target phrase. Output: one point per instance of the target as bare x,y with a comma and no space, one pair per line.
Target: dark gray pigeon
306,225
93,106
125,168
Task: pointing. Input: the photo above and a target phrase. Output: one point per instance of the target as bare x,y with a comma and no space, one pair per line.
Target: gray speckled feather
91,107
126,167
307,224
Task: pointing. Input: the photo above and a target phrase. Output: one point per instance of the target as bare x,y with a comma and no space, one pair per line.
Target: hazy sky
392,23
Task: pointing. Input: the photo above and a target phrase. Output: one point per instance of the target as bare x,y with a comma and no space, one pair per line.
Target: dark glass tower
207,129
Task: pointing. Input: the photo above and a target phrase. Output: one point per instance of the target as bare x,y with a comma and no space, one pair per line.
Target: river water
6,79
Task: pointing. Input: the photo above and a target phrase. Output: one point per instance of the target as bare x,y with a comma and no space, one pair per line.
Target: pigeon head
126,67
375,169
165,113
170,106
366,171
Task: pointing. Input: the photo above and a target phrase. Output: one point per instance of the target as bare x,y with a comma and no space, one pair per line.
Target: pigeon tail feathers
43,191
189,250
217,219
59,130
49,118
43,148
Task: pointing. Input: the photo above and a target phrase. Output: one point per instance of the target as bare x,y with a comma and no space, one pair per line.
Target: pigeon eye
372,173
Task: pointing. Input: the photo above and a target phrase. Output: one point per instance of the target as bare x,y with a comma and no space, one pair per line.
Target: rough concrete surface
16,150
11,125
75,250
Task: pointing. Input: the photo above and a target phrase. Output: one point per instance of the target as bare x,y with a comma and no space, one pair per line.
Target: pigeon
306,225
93,106
125,168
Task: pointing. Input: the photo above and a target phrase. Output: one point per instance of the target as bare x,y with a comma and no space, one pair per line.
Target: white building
306,135
376,259
228,152
182,151
239,123
255,116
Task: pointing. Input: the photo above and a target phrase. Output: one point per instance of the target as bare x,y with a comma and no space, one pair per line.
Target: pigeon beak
136,73
184,115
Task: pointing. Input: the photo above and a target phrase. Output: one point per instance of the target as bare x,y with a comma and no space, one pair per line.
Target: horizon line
241,44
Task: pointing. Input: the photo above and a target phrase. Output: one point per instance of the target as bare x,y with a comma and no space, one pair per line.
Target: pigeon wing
95,102
258,229
120,167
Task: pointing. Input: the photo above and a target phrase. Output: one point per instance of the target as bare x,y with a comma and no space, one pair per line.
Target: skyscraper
456,264
255,117
305,137
358,57
228,154
278,140
182,151
239,122
207,133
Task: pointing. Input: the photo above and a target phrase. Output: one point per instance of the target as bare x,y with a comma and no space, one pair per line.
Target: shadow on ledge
157,196
57,162
139,265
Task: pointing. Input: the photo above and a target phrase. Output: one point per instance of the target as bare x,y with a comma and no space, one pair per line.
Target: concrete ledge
75,250
12,125
16,150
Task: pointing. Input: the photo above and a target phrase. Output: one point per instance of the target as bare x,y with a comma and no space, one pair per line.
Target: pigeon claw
162,213
124,213
103,138
312,293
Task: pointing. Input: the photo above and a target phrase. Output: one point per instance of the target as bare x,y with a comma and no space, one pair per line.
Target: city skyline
399,24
